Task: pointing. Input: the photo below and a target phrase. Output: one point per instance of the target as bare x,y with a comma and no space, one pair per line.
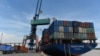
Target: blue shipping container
91,25
45,31
61,23
76,23
66,29
75,29
55,23
70,23
54,29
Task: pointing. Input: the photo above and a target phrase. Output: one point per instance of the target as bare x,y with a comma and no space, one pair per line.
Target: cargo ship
68,38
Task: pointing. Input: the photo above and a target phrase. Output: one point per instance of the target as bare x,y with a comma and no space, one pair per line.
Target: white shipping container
84,30
80,30
54,35
61,35
61,29
70,29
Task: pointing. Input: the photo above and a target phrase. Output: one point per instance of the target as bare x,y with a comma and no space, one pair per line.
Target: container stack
45,36
71,30
61,30
88,30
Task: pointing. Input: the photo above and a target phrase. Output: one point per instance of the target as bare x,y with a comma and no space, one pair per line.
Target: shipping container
86,24
75,29
90,30
76,36
70,24
57,35
76,23
45,40
66,35
80,35
70,35
55,23
61,35
46,35
61,23
84,30
66,29
91,25
61,29
53,29
45,31
91,36
66,24
83,25
54,35
80,30
84,36
70,29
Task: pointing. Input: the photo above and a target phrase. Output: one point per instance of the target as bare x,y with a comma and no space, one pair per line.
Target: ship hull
70,49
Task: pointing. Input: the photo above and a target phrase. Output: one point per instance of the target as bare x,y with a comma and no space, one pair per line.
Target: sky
15,15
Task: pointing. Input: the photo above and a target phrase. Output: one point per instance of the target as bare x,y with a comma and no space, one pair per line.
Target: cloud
9,38
13,30
13,23
28,16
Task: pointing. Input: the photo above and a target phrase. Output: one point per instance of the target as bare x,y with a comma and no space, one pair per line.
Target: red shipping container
46,35
91,36
65,23
45,40
86,24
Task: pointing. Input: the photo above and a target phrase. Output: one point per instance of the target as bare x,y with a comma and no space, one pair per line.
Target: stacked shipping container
61,29
69,30
45,36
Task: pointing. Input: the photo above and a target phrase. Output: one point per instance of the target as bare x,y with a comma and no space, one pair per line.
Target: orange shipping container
20,48
24,49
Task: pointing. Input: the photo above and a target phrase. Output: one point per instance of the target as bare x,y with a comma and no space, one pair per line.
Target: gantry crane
35,22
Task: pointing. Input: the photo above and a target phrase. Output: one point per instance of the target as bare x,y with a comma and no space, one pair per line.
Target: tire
10,52
7,52
4,52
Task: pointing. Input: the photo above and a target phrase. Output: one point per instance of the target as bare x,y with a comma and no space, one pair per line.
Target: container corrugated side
70,29
80,30
61,29
90,30
75,29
